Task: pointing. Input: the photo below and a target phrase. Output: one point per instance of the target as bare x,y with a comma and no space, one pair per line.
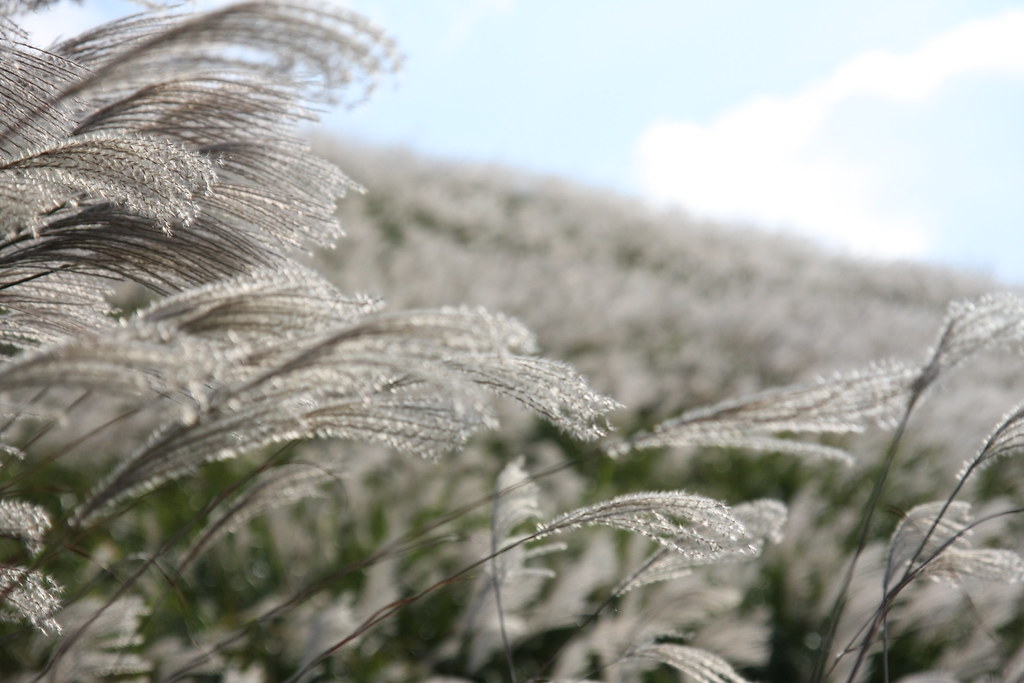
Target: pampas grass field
277,406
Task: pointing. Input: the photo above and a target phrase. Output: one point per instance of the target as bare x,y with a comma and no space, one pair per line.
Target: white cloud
770,161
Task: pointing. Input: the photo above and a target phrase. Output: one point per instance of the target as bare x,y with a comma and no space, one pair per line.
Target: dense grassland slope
660,310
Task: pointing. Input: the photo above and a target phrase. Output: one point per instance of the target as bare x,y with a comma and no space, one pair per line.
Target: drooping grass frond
297,189
922,525
1007,439
114,244
411,380
200,112
661,565
471,348
31,596
769,444
262,40
105,647
32,116
270,217
133,359
987,564
762,520
24,521
838,405
551,389
991,321
260,307
941,546
517,501
148,177
41,310
380,411
683,522
511,583
195,340
698,665
237,227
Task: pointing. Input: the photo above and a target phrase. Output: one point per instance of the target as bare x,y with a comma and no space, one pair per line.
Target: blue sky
889,129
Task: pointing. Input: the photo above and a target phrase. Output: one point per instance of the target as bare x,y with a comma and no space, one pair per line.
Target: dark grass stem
820,670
